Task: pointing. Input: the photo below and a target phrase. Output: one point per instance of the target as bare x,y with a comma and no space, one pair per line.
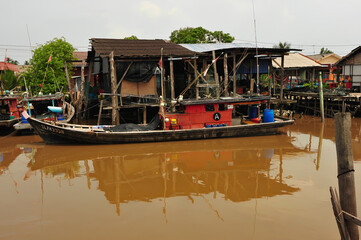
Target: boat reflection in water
237,170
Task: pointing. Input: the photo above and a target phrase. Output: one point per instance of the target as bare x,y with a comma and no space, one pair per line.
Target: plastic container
268,115
55,109
252,112
60,117
23,120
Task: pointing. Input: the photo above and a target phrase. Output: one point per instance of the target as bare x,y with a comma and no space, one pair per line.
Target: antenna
255,39
31,51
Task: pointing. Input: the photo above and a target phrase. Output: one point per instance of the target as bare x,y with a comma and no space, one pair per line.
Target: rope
352,170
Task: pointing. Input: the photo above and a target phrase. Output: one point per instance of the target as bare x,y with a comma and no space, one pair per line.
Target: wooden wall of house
139,89
356,59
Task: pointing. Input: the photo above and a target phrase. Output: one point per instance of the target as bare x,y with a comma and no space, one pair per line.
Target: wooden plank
125,73
100,111
352,218
69,83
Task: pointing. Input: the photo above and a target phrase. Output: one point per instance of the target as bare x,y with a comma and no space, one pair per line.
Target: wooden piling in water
320,84
345,170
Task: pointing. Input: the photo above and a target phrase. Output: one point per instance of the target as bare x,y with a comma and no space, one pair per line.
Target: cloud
150,9
173,11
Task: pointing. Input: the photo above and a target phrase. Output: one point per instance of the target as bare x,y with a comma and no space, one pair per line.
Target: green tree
325,51
283,45
199,35
46,69
131,38
12,61
222,37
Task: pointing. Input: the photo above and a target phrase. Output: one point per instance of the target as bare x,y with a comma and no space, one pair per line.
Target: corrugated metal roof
208,47
138,48
296,60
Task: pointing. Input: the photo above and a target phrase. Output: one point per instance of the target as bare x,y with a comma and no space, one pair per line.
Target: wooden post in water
320,87
345,170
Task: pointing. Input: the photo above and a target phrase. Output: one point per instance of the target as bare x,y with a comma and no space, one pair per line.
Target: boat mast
255,39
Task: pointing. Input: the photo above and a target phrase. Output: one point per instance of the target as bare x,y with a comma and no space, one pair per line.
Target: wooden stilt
215,73
172,93
195,76
282,75
225,65
115,113
234,76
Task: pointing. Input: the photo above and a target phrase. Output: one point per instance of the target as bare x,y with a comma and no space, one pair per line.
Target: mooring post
345,170
321,99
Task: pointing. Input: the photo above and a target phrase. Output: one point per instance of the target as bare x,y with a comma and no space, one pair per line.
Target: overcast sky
306,24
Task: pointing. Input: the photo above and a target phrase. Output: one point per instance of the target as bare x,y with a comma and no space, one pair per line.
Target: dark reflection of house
236,170
137,178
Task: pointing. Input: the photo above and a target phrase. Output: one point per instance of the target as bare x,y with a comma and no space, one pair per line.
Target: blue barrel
252,112
268,115
23,120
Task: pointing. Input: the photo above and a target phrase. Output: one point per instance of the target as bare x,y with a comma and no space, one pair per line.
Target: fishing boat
185,120
9,113
50,107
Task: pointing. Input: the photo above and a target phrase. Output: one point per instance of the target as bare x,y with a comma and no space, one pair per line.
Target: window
209,107
222,107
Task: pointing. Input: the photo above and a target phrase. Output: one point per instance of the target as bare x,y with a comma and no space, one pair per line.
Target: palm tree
325,51
283,45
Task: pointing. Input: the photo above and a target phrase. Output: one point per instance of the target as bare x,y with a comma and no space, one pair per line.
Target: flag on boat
161,62
213,61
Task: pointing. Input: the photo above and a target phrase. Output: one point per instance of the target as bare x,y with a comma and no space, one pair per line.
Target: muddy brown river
272,187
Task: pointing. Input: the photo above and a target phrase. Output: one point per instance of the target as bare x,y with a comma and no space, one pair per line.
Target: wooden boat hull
55,133
6,126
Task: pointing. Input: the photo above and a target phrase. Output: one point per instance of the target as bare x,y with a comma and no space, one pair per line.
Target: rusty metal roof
139,48
8,66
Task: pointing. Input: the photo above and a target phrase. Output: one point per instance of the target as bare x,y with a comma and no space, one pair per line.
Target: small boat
45,107
9,113
187,120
